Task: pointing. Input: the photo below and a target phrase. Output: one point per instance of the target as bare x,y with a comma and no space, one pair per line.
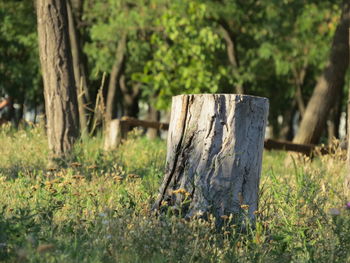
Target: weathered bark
215,145
57,68
79,69
328,86
114,78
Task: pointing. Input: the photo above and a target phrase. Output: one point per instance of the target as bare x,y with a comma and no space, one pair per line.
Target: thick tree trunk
328,86
215,145
114,78
79,69
347,179
59,85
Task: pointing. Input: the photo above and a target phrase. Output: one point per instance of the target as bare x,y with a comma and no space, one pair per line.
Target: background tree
276,49
59,85
74,17
329,85
347,179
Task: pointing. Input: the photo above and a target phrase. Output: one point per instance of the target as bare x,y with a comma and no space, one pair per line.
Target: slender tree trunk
215,145
58,76
114,78
328,86
333,121
286,132
153,115
131,96
231,52
79,70
77,8
35,113
10,116
299,77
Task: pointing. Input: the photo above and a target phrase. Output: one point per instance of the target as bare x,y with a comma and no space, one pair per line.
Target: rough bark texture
59,85
79,69
328,86
215,145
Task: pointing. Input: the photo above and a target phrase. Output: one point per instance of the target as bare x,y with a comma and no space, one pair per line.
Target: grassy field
97,208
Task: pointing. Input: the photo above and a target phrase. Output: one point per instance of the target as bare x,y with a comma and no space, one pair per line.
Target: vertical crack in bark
169,177
215,164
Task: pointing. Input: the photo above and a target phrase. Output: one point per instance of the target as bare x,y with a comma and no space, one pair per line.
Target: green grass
96,210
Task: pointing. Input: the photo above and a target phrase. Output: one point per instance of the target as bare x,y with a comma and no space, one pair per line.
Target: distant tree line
142,52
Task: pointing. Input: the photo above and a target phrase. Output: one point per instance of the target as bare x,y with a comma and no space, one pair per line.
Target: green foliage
98,210
184,54
177,47
19,59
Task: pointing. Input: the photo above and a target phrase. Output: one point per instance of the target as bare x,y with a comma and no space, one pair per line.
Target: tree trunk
114,134
10,111
328,86
231,52
59,85
131,96
153,115
79,69
333,121
215,145
347,179
286,132
114,78
299,78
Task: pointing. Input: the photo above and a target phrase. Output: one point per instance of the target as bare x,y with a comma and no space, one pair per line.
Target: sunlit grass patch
97,208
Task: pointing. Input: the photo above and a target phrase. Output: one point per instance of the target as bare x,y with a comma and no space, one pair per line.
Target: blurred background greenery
272,48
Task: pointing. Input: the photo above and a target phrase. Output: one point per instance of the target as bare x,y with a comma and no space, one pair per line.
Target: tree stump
214,155
116,131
